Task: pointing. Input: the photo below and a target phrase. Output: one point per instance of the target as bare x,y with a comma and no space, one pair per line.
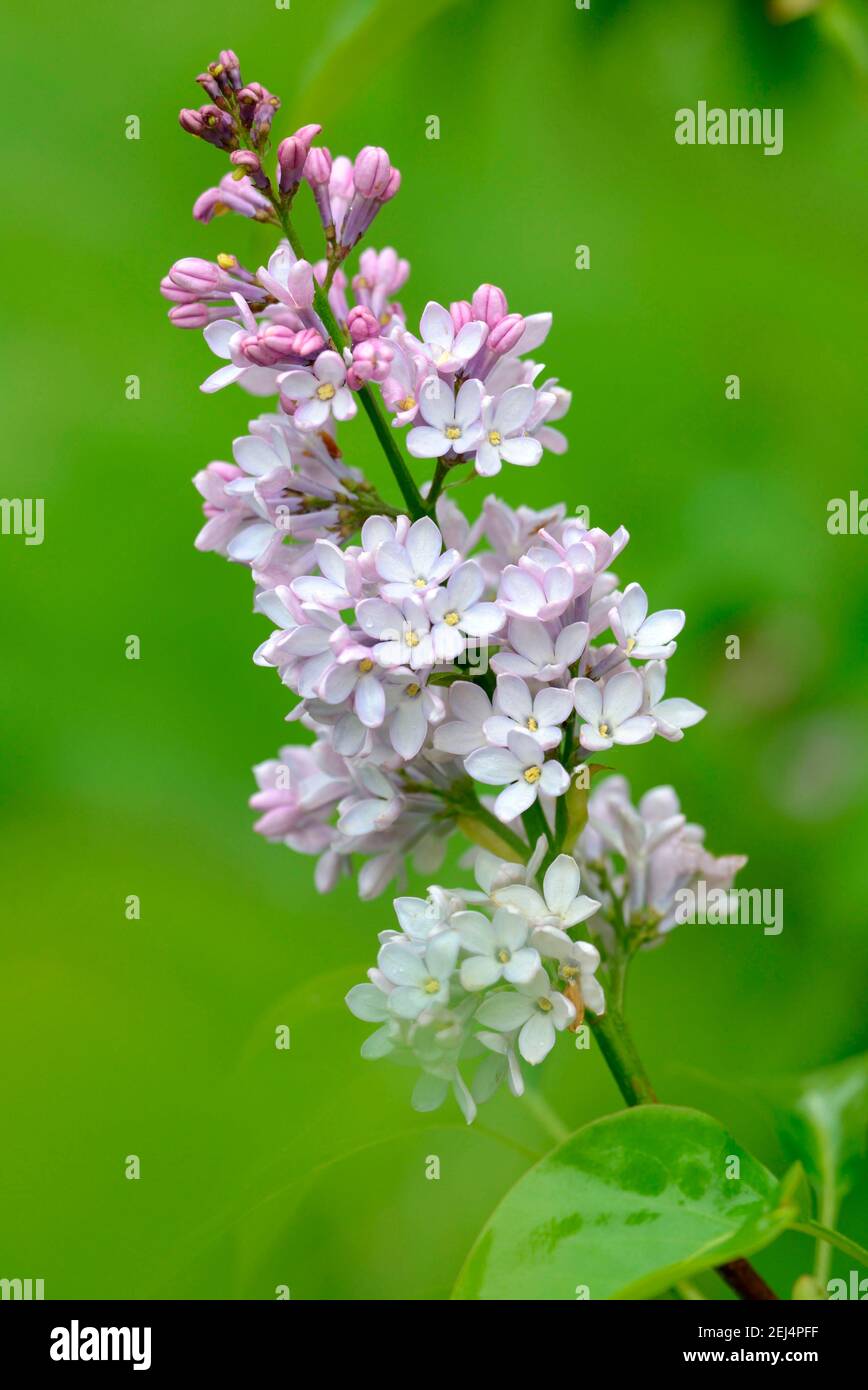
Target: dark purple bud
211,87
291,156
190,120
489,304
246,162
228,61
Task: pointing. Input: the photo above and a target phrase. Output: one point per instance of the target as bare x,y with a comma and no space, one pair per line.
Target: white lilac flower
521,765
403,634
530,592
421,982
446,350
451,422
322,392
639,635
502,1065
375,806
560,904
505,440
578,962
612,714
338,584
414,566
535,1009
535,654
411,707
671,716
463,731
540,715
355,676
497,949
457,612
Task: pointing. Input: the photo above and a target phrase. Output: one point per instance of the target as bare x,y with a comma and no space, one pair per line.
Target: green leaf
822,1121
630,1206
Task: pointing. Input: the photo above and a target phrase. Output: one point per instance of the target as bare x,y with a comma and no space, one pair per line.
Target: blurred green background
155,1038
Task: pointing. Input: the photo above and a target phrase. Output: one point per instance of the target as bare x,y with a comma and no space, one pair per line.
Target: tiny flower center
631,642
532,774
503,956
412,690
365,665
407,403
451,617
495,437
569,972
431,986
604,730
226,261
326,391
420,583
544,1005
411,638
532,724
452,432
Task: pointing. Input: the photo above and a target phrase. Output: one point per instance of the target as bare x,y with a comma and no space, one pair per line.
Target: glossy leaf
629,1206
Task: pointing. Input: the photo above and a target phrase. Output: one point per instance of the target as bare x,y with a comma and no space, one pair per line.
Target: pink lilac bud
317,171
393,183
249,163
196,275
362,324
372,359
195,314
211,87
308,342
231,69
291,156
461,313
371,171
190,120
506,334
363,209
211,124
272,344
262,118
489,304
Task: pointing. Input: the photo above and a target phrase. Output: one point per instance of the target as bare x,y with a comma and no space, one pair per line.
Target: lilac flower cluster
454,676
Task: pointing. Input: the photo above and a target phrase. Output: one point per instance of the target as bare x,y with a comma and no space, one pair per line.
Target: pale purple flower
338,584
578,962
504,439
528,591
421,982
402,634
412,706
457,612
540,715
521,765
451,422
671,716
376,805
559,905
446,350
535,654
322,391
463,733
611,714
232,195
414,566
639,635
355,677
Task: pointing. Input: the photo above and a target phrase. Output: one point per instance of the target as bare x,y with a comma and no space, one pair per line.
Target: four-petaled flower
322,391
520,764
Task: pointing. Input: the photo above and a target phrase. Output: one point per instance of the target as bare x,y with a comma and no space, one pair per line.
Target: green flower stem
443,467
621,1057
383,430
833,1238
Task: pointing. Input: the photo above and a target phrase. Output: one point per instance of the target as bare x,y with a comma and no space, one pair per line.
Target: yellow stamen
411,638
604,730
432,986
225,261
532,724
631,642
407,403
452,432
503,956
365,665
326,391
495,437
532,774
413,689
420,583
451,618
544,1005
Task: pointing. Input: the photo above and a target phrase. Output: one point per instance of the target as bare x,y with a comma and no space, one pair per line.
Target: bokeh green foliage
306,1167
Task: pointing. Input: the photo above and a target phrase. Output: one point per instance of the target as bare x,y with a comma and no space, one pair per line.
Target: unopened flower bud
291,156
362,324
372,359
461,313
506,334
371,171
246,162
191,315
195,274
393,183
489,304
